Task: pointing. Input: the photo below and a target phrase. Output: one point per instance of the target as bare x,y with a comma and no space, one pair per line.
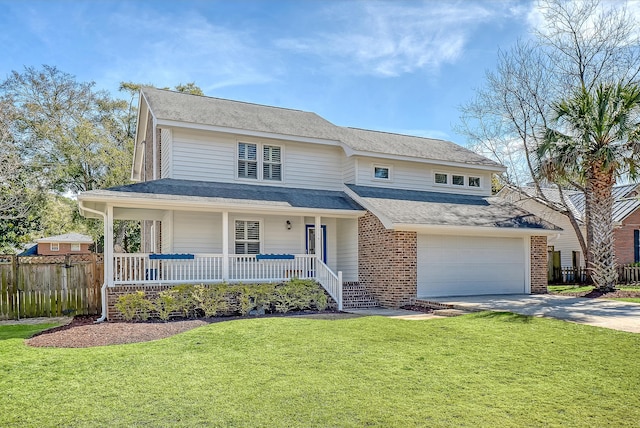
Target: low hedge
204,301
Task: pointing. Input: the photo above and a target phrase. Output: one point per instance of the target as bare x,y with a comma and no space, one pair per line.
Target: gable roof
72,238
414,208
169,107
625,201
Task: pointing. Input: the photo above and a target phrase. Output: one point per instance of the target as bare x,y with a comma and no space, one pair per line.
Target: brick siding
623,239
44,249
539,266
387,262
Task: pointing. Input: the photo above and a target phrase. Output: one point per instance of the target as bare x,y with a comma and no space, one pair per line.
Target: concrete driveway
598,312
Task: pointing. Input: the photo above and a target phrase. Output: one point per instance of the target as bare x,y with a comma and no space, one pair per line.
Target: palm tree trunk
599,212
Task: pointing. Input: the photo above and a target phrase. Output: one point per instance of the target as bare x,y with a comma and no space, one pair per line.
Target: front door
311,240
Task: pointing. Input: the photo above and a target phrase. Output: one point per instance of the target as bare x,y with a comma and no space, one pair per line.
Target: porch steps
355,296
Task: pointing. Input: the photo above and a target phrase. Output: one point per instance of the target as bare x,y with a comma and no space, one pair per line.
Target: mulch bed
594,294
83,332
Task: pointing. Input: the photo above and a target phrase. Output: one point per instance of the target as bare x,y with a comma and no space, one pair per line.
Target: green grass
561,289
628,299
484,369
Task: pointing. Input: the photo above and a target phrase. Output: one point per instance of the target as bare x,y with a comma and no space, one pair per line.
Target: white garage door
470,265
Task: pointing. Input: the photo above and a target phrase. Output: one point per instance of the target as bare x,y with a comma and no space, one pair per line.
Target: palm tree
597,140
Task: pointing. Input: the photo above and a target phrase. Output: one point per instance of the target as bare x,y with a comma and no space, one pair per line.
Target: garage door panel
459,265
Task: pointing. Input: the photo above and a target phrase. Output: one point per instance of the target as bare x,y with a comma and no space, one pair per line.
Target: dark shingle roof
301,198
447,209
218,112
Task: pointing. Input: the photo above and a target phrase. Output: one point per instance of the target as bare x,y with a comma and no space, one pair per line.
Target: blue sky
395,66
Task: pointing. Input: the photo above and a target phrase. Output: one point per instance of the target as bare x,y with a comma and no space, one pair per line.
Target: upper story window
382,172
272,163
54,246
247,160
457,179
265,167
441,178
247,237
75,247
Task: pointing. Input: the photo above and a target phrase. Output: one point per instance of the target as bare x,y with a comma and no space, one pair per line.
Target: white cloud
392,38
167,50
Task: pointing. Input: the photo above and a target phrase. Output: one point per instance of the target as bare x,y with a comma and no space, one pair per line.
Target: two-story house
233,191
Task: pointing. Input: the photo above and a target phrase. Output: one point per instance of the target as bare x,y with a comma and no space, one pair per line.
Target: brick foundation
539,266
387,262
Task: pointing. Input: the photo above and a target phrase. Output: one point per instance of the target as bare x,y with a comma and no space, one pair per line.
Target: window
441,178
247,237
381,172
54,246
75,247
271,163
247,160
474,181
457,180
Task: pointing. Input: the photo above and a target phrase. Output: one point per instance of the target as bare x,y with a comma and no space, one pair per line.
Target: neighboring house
61,245
233,191
564,248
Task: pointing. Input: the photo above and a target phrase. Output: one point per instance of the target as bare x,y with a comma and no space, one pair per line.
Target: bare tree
579,44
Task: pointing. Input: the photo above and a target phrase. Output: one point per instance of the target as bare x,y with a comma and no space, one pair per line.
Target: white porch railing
143,268
138,268
330,281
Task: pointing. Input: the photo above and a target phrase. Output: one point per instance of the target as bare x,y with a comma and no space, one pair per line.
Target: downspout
103,289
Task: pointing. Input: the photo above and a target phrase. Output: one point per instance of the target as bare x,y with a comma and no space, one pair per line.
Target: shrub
214,300
134,305
164,305
186,299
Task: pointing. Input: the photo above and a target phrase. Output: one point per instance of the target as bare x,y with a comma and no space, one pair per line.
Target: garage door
470,265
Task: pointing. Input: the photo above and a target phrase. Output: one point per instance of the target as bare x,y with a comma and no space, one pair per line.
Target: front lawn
484,369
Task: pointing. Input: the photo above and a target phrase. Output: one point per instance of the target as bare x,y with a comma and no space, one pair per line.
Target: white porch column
108,247
225,245
318,228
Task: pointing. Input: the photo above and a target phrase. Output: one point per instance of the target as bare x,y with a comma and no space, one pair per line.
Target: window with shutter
247,160
247,237
271,163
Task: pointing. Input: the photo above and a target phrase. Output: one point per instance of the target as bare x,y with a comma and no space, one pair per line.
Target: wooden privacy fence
47,286
569,275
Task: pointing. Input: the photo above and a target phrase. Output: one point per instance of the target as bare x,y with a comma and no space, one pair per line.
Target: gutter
103,289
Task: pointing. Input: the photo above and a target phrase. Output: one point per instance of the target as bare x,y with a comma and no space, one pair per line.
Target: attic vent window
247,160
474,181
381,172
441,178
457,180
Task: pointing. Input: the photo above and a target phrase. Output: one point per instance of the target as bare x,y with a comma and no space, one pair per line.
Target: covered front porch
188,239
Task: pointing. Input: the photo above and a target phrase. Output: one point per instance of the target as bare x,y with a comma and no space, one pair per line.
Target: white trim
386,222
465,180
76,246
259,162
527,264
471,230
54,246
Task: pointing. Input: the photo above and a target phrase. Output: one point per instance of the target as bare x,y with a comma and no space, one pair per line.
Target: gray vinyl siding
349,170
347,248
212,157
197,232
418,176
166,153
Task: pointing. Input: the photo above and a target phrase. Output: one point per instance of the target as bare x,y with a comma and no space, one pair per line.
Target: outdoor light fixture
288,225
